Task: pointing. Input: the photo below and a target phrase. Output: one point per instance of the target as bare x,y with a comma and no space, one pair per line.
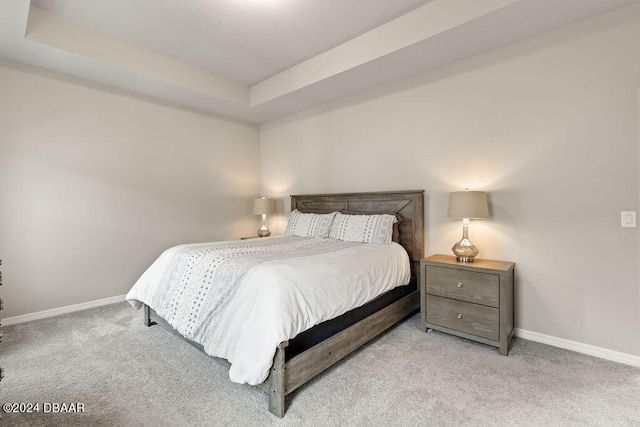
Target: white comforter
241,299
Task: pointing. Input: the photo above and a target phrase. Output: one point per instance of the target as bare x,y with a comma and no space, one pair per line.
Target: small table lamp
467,205
264,206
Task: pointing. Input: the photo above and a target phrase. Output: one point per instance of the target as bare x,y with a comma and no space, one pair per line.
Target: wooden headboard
408,205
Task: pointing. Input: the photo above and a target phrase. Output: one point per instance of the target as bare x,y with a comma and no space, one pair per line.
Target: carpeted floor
127,375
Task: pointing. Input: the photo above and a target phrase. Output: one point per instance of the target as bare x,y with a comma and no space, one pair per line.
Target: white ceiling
257,60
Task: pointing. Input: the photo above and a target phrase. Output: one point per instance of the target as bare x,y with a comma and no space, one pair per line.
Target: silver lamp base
465,251
264,231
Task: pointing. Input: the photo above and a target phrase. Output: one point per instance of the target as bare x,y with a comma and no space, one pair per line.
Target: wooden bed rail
286,377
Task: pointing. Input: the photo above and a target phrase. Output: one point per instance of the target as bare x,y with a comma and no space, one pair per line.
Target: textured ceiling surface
259,60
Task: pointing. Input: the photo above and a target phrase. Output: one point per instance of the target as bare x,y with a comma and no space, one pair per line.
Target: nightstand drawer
471,286
473,319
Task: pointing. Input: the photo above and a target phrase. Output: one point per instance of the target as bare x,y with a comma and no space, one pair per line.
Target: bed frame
357,327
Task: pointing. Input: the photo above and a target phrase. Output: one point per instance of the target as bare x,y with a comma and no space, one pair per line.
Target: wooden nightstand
470,300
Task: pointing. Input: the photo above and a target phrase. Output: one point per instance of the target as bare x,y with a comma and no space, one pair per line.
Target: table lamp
467,205
263,206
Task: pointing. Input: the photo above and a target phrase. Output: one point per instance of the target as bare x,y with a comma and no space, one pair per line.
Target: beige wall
548,126
95,184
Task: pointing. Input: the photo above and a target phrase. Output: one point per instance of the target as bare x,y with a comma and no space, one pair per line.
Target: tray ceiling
257,60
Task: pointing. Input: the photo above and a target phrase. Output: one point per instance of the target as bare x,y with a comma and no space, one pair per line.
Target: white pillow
376,228
309,224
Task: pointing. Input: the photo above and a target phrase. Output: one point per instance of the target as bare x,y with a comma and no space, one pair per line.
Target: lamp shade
468,204
263,206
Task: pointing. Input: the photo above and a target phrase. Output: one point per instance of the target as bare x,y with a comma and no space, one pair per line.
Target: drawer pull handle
459,315
459,284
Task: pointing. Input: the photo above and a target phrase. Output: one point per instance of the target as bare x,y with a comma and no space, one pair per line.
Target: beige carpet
127,375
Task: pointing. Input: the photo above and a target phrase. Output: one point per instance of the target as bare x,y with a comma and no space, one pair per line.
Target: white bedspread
241,299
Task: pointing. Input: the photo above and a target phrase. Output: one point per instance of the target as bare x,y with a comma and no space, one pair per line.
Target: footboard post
147,316
276,382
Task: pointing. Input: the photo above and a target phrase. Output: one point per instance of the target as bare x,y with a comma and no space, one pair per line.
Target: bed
311,351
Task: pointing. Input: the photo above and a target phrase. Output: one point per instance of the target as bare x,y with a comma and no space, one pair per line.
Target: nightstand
470,300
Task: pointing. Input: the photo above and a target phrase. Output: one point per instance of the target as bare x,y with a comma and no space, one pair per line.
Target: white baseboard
591,350
61,310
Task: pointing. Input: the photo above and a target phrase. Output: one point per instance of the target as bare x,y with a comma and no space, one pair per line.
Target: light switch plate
628,219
